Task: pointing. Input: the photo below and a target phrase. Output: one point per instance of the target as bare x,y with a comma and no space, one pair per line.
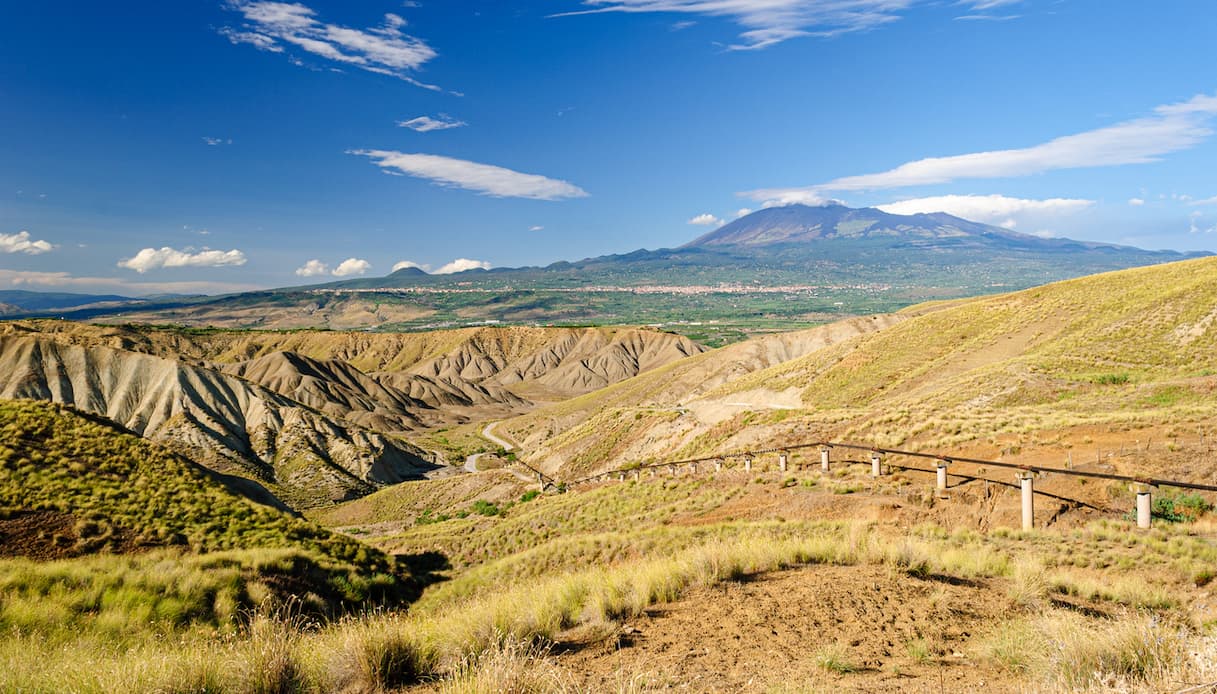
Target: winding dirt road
471,462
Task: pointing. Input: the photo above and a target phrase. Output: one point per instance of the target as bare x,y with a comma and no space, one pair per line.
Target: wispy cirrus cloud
425,124
166,257
115,285
486,179
1171,128
22,243
1012,213
385,50
769,22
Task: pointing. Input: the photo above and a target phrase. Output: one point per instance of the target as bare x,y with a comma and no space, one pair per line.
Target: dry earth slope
226,423
1131,349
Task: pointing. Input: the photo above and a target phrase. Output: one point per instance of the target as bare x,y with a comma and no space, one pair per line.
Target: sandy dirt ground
898,633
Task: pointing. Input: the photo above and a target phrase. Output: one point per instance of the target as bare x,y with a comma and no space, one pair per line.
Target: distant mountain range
830,244
14,301
801,224
864,261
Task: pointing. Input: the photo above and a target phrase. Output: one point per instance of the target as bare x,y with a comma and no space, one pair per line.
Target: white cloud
536,227
1136,202
385,50
425,124
1033,216
1172,128
312,268
982,5
1206,201
351,266
768,22
462,264
706,219
260,41
213,141
742,212
21,243
403,264
115,285
780,197
1197,225
153,258
482,178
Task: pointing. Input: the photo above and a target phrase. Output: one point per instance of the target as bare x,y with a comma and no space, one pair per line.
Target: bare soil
41,535
896,632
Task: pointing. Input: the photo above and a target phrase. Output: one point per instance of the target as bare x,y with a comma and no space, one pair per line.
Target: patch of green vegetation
1180,508
204,552
1112,379
485,508
123,491
1165,397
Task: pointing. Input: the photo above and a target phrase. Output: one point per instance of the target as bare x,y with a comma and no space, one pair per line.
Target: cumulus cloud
403,264
21,243
742,212
1136,202
769,22
425,124
462,264
165,257
312,268
386,50
351,266
706,219
1171,128
486,179
1033,216
778,197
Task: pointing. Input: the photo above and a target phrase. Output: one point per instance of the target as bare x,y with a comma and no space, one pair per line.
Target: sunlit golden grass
1131,349
1062,651
466,635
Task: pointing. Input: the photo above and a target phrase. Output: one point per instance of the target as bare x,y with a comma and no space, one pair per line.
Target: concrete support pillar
825,455
1145,505
637,475
747,463
692,468
541,480
672,470
718,466
942,474
876,464
651,472
783,461
1026,480
621,477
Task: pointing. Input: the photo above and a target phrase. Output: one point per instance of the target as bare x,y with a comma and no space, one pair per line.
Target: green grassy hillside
141,538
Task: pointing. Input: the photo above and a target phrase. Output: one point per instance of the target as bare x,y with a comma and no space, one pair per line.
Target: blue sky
202,146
